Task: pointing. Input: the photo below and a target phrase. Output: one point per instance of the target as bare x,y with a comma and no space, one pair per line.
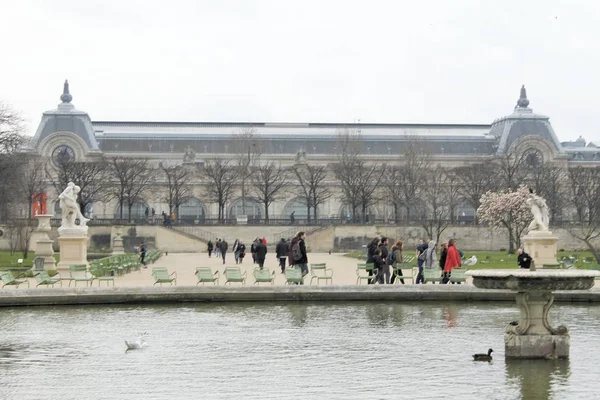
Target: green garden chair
161,275
362,272
42,278
234,274
293,276
205,274
8,279
263,276
79,273
320,272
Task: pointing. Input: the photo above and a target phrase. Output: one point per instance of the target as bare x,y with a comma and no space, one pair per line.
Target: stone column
43,247
117,244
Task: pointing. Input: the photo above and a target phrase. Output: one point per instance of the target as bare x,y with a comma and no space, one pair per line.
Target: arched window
193,209
252,209
298,206
138,210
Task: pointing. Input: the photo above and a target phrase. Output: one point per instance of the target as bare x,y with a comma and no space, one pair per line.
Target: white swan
140,343
471,261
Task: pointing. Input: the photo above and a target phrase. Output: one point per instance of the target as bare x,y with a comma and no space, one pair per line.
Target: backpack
391,258
296,251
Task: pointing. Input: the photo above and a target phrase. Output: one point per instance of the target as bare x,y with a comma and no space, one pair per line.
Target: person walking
253,250
396,262
235,250
523,259
452,260
281,251
298,256
443,255
143,254
209,247
218,248
383,273
224,247
430,256
241,251
292,218
261,254
421,260
371,248
379,264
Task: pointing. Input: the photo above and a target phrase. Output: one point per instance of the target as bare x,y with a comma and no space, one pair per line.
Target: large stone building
66,133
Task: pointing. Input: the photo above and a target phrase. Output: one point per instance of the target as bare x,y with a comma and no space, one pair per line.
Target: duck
140,343
483,357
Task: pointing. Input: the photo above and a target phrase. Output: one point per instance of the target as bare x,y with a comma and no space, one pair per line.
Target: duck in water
483,357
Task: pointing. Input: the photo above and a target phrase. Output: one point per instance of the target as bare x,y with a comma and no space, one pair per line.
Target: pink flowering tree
506,210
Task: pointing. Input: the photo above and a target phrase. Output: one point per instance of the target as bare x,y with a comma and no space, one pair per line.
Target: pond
286,351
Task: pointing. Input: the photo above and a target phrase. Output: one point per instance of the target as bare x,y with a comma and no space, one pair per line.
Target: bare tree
404,183
437,193
585,199
178,187
133,177
475,180
247,154
311,186
348,168
31,181
91,177
222,175
11,129
548,180
268,182
509,168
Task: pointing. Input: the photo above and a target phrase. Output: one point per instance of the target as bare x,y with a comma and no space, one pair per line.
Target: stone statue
301,156
189,156
540,211
70,207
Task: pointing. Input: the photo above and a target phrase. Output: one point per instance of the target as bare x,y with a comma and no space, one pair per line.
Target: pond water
286,351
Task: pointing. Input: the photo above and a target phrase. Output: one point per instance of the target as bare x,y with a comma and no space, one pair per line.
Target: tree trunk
593,250
396,216
511,241
266,213
129,207
308,213
315,213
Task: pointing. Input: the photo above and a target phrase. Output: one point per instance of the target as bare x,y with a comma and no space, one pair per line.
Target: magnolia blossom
506,209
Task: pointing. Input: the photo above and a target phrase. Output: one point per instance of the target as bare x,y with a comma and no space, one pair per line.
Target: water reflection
450,315
298,314
536,378
384,314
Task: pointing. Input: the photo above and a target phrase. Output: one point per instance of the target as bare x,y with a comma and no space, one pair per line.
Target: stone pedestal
533,336
117,245
542,247
73,247
43,244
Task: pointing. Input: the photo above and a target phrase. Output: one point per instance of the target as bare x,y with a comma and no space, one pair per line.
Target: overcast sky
459,61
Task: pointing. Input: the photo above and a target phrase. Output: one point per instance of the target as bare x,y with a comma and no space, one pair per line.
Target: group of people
293,252
386,262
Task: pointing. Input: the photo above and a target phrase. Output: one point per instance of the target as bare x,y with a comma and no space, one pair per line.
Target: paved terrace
137,287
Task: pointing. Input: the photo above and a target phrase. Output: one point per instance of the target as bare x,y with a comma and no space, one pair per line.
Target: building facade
66,134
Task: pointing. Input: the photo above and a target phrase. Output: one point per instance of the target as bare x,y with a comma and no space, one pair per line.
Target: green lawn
8,260
502,260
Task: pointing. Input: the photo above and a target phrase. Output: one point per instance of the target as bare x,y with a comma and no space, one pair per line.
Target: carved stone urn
533,336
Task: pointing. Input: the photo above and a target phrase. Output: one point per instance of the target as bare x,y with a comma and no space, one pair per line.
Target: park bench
362,272
42,278
234,274
161,275
205,274
320,272
432,275
8,279
263,276
293,275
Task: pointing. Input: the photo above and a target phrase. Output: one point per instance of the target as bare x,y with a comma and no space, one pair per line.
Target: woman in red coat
452,260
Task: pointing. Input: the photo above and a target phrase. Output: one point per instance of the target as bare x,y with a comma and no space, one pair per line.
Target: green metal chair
293,275
362,272
102,274
79,273
161,275
42,278
320,272
8,279
234,274
205,274
263,276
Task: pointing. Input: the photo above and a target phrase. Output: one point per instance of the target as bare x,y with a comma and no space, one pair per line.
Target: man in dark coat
523,259
261,253
210,247
298,254
282,251
224,246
